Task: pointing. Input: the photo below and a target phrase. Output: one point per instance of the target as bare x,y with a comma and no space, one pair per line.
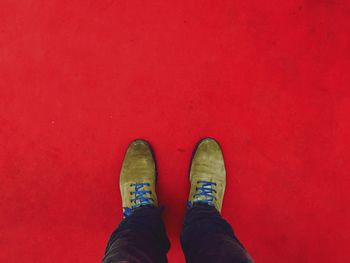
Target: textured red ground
268,79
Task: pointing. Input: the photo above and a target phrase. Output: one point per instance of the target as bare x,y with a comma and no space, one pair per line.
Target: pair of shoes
138,176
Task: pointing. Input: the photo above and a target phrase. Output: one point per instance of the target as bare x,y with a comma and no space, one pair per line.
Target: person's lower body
206,237
140,238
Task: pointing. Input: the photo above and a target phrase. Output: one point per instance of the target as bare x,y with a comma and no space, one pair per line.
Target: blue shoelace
140,199
206,191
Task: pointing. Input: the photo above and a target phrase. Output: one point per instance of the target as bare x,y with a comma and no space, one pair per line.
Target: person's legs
206,236
141,236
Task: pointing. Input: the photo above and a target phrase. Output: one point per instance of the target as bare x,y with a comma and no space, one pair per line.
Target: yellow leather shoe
207,174
138,177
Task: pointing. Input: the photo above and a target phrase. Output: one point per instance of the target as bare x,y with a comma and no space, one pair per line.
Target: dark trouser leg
207,237
140,237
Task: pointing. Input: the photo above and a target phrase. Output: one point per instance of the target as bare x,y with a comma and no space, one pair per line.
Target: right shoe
207,174
138,177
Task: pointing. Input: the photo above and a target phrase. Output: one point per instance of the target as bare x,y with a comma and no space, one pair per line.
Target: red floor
268,79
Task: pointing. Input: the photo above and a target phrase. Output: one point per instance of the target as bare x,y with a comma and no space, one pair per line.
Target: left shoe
138,177
207,174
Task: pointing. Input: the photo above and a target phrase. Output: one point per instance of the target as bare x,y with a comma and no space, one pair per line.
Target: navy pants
206,237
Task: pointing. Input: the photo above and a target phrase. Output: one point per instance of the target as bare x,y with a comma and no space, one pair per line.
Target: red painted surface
268,79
